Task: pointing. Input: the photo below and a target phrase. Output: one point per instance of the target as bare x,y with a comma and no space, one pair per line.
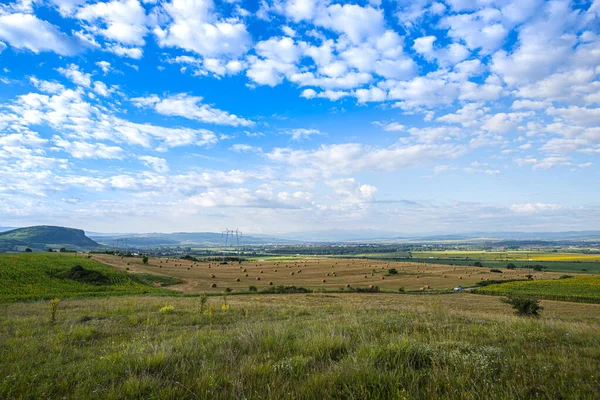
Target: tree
50,250
525,306
511,266
28,250
63,250
145,259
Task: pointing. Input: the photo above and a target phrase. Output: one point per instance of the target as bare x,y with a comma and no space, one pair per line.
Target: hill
50,275
44,236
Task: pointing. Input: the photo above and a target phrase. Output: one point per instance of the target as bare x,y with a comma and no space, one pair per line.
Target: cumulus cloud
184,105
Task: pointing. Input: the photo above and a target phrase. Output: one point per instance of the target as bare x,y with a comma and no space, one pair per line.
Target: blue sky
278,116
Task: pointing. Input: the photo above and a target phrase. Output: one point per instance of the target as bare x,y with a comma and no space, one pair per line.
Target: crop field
580,288
557,262
509,255
39,276
346,345
315,273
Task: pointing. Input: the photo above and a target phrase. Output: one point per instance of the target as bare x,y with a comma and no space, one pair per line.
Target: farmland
580,288
42,276
320,273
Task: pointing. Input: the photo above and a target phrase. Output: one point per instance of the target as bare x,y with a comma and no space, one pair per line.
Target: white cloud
301,133
534,207
158,164
27,32
194,26
76,75
122,21
191,107
89,150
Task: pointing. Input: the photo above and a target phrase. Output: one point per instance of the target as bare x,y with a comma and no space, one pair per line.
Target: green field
580,288
348,346
43,276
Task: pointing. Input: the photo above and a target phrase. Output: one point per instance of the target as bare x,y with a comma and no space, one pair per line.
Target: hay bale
270,283
323,281
347,285
237,279
213,285
292,273
212,276
258,278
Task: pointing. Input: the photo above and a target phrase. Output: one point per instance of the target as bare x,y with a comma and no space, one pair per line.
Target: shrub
526,306
252,288
538,267
286,289
565,276
529,276
28,250
167,309
203,300
477,264
227,290
511,266
495,270
53,309
392,271
401,289
145,259
370,289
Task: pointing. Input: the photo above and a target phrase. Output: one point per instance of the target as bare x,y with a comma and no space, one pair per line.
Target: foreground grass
580,288
44,276
299,346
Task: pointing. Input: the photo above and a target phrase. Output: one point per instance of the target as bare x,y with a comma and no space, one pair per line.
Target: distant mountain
187,239
44,236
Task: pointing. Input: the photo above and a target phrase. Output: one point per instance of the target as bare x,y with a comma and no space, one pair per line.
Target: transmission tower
232,238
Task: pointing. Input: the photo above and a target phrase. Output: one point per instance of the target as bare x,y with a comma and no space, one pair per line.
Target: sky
299,115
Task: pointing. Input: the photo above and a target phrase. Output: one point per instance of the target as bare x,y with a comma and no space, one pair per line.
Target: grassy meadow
47,275
354,346
580,288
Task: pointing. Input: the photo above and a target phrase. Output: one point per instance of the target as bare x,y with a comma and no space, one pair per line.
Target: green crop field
580,288
43,276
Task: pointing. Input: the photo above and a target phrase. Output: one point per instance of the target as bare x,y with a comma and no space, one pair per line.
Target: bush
145,259
477,264
28,250
511,266
392,271
495,270
370,289
286,289
167,309
252,288
525,306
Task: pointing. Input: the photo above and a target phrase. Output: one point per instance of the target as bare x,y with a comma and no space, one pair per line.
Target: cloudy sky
288,115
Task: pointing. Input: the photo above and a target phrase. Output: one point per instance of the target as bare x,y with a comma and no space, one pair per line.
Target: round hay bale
212,275
213,285
246,275
323,281
258,278
261,272
383,277
237,279
347,285
292,273
270,283
365,277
